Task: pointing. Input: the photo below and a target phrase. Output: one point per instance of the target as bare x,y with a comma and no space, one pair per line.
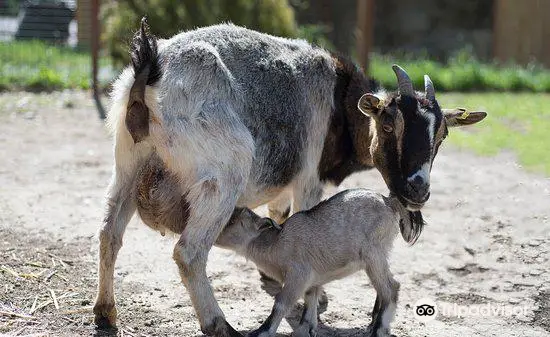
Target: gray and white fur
352,231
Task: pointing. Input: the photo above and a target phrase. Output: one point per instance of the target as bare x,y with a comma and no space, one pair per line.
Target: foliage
37,66
316,34
167,17
463,73
11,8
516,122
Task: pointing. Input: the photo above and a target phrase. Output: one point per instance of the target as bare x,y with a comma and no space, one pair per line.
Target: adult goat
223,116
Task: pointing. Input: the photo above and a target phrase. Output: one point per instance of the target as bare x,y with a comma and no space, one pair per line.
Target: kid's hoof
380,332
258,333
105,316
220,328
304,330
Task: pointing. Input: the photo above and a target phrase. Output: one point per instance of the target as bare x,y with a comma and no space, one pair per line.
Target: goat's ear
370,104
460,116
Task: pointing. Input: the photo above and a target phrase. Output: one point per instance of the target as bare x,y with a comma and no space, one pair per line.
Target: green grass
36,66
519,122
463,73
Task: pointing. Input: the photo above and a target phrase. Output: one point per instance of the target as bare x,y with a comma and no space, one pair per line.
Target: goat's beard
417,225
415,222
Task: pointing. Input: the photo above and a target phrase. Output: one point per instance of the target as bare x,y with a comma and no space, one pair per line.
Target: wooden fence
522,31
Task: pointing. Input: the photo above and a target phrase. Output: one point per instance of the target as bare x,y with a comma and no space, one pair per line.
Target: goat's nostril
418,188
418,181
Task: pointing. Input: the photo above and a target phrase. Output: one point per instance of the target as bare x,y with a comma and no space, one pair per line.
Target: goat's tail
145,61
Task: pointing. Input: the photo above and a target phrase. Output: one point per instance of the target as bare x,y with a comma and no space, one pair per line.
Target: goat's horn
404,84
429,88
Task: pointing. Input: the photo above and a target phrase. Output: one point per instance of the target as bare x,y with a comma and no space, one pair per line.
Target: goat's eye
388,128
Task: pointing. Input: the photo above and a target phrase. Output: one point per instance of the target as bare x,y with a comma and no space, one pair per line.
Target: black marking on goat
278,132
347,143
144,54
390,165
145,61
416,141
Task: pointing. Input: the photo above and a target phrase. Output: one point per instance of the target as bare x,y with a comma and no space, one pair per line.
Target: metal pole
95,57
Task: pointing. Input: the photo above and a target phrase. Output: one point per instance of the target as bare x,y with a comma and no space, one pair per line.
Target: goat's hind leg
279,208
308,322
292,290
120,208
211,203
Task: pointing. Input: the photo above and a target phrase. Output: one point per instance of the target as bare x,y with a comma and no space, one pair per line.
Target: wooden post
84,21
365,31
521,31
95,56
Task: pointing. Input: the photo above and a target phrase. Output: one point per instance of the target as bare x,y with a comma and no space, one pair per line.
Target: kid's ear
460,116
266,223
370,104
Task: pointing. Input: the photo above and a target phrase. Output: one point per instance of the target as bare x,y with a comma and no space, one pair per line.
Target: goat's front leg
308,322
375,309
292,290
120,208
279,210
307,192
387,292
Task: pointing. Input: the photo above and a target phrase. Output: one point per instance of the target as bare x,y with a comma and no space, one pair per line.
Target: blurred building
506,30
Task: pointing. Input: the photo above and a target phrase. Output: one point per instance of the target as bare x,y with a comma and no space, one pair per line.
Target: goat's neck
347,145
261,248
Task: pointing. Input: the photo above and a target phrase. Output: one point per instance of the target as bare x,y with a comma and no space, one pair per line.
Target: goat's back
280,89
343,227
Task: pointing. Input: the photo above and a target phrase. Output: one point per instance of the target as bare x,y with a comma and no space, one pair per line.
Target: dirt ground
484,258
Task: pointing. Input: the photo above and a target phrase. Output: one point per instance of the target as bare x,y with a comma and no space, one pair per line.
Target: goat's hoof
304,330
105,316
220,328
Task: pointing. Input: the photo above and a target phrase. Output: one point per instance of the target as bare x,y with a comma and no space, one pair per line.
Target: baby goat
354,230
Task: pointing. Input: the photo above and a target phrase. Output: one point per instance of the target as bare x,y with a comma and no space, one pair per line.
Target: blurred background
489,219
479,47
